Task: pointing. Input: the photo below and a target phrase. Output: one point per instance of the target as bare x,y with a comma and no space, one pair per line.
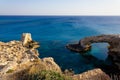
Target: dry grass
38,71
37,66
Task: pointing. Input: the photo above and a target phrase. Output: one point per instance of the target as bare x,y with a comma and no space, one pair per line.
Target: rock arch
112,40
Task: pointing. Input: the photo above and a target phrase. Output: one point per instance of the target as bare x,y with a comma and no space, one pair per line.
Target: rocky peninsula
19,60
114,47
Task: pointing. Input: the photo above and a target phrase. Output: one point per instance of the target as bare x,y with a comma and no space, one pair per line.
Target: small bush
46,75
38,71
10,71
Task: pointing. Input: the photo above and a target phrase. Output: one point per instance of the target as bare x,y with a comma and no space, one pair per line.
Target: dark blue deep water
54,32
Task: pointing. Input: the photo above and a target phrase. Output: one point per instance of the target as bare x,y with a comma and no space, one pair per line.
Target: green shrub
46,75
38,71
10,71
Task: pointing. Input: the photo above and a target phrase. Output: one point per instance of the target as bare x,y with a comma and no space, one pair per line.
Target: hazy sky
59,7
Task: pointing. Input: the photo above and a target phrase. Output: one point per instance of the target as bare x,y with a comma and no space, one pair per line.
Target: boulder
51,65
95,74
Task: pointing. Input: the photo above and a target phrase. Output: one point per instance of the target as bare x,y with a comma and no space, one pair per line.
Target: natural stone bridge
112,40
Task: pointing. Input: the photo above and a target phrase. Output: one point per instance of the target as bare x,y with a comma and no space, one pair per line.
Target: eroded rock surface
19,55
26,38
112,40
95,74
50,64
15,53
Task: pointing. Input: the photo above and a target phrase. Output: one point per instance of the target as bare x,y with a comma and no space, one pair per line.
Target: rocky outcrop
26,38
14,54
85,44
28,42
19,55
95,74
112,40
51,65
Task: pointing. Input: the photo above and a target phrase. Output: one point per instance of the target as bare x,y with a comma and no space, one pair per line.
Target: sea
55,32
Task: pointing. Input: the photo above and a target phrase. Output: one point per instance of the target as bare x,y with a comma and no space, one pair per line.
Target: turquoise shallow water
54,32
99,50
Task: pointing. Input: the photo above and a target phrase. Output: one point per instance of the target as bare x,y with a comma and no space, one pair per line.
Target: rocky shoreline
114,47
21,57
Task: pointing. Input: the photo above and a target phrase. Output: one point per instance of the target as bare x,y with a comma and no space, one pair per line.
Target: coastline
34,64
84,45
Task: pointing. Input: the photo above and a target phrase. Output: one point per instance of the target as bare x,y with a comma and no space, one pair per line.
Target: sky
59,7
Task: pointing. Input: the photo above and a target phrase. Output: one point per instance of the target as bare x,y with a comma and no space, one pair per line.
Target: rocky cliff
21,57
18,55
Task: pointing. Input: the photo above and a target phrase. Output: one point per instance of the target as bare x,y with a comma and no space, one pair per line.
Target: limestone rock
114,49
28,42
95,74
14,54
17,56
50,64
26,38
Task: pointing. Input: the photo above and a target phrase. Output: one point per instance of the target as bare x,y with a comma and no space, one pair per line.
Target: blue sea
54,32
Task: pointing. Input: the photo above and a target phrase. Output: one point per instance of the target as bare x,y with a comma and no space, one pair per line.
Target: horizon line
51,15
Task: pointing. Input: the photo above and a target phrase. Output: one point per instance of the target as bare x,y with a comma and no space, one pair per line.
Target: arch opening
100,50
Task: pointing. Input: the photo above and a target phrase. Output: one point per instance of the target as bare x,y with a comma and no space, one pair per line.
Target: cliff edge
19,61
19,55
